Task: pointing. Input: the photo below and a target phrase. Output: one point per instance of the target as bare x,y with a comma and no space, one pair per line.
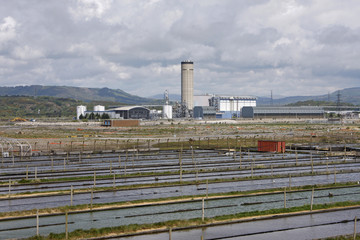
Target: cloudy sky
239,47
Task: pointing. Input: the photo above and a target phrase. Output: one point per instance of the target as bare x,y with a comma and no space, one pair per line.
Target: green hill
78,93
43,106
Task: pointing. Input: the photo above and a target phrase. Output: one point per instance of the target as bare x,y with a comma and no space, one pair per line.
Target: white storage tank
80,110
167,111
99,108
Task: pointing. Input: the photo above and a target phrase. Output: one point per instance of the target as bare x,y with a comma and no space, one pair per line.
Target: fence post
37,222
203,210
355,220
312,200
66,225
94,178
71,195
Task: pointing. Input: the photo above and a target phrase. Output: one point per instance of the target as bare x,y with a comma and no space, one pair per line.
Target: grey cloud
246,47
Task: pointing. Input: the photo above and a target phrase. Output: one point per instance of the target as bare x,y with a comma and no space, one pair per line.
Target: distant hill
44,106
348,95
78,93
317,103
172,97
35,107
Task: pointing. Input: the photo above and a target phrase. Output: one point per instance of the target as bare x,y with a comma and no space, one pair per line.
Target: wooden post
284,197
126,156
170,230
296,153
312,164
35,173
37,222
80,157
252,171
94,178
66,225
52,164
125,168
94,145
133,157
207,188
334,175
114,180
355,220
290,182
240,157
180,164
327,165
119,162
64,164
9,188
71,195
110,167
91,199
312,200
27,172
203,210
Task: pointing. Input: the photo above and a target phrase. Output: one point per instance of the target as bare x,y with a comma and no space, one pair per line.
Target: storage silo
167,111
187,84
99,108
80,110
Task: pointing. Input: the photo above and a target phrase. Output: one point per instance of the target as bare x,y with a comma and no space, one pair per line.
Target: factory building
132,112
187,84
228,107
283,112
204,112
128,112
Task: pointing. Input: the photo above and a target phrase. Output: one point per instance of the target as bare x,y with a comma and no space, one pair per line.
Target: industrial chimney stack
187,84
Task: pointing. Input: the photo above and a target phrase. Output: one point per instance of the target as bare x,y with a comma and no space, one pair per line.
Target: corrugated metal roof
237,97
126,108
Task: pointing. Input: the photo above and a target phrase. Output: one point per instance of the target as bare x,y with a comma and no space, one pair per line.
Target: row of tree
93,116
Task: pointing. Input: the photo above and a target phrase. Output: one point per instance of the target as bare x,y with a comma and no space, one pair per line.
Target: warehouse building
132,112
204,112
228,107
128,112
283,112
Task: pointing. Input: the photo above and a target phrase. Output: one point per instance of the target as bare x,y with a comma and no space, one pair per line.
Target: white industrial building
80,110
225,106
231,106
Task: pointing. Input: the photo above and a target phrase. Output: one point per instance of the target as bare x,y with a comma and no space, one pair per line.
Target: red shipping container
271,146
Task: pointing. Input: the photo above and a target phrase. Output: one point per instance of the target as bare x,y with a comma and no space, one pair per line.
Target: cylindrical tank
187,84
167,111
80,110
99,108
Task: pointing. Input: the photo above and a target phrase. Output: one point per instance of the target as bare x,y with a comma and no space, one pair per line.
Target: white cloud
89,9
27,53
7,30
